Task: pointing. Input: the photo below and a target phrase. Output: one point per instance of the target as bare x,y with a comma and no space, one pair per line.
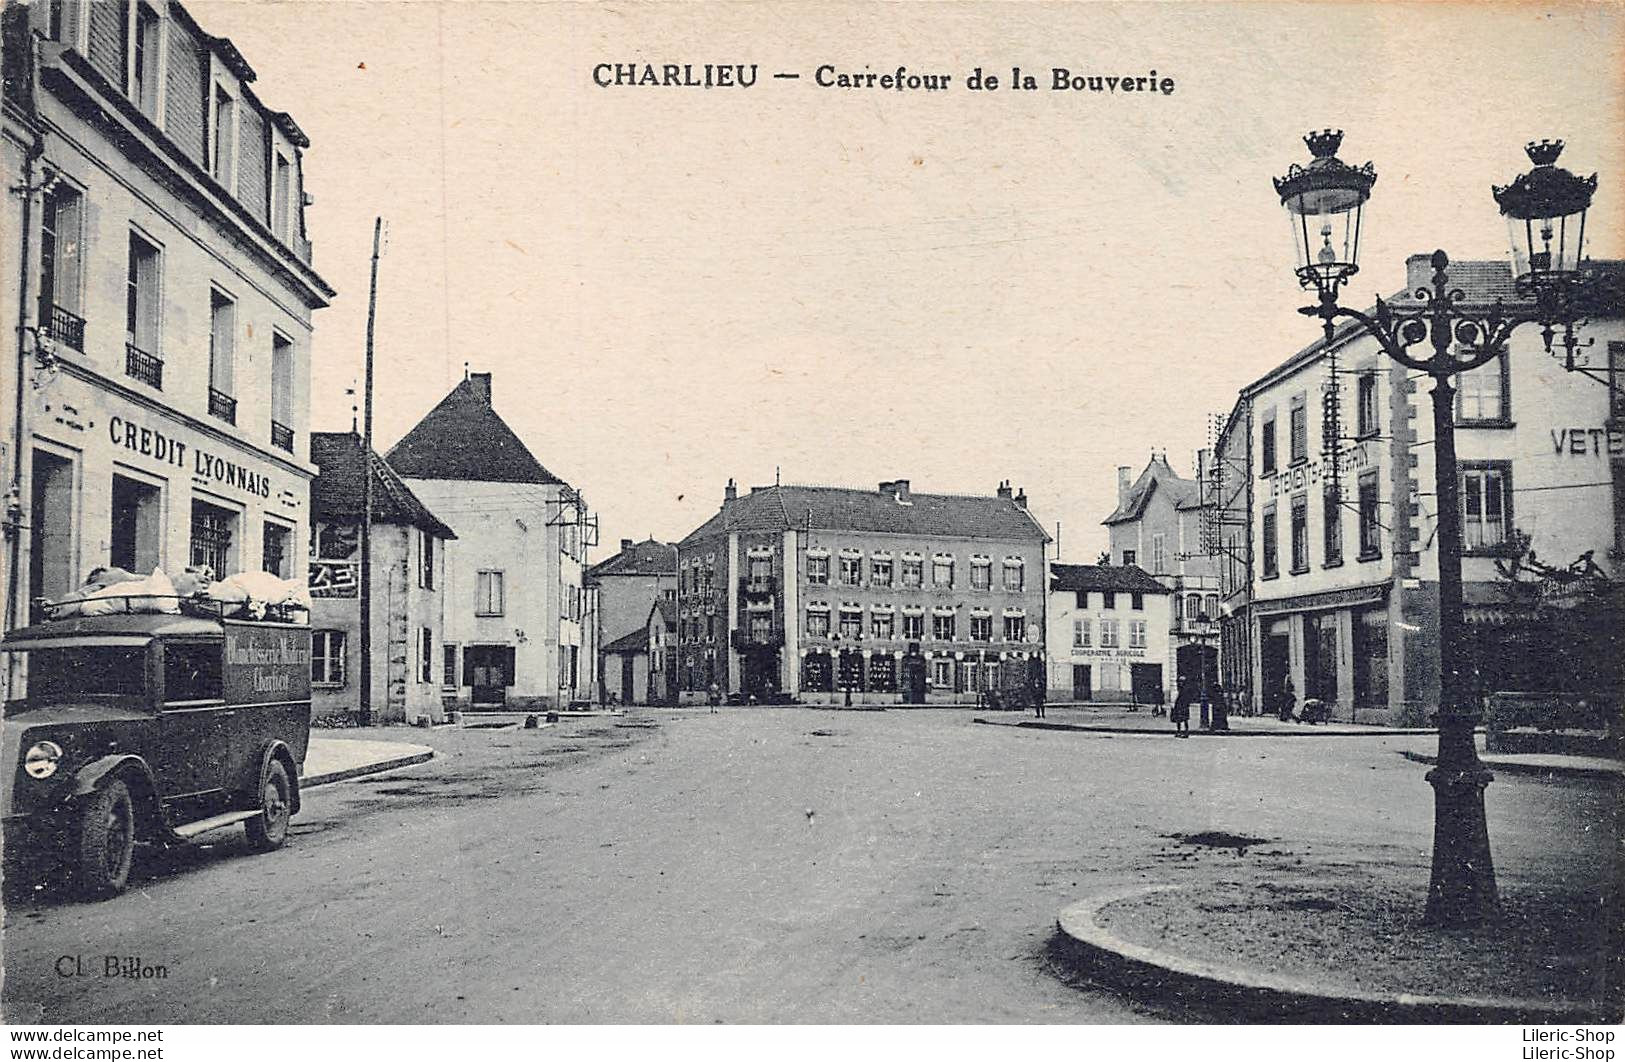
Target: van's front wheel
106,841
269,829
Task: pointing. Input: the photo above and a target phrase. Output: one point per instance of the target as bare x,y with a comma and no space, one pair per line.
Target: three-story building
823,593
157,279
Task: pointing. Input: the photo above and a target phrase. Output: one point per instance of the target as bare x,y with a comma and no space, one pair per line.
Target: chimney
900,488
1418,272
1201,467
1021,497
481,382
1004,488
1123,484
731,492
626,545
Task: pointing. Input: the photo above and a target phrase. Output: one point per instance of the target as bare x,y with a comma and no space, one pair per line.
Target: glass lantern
1546,218
1324,202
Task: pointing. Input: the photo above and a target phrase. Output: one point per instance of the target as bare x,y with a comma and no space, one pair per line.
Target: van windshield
63,674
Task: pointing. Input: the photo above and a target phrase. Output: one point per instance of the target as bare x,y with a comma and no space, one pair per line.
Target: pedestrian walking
1221,708
1180,713
1288,700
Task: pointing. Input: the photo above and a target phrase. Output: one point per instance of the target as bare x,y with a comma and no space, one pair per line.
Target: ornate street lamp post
1546,211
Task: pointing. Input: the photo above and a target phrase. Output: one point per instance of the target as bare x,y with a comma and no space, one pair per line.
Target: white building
516,613
1108,634
158,281
1345,585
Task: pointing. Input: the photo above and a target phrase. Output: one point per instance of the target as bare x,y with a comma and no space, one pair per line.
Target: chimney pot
1004,488
1123,484
1021,497
626,545
731,492
481,382
900,488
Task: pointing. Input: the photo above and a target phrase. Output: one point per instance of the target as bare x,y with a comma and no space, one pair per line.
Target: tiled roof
337,489
1128,577
783,508
1157,475
630,643
649,557
463,438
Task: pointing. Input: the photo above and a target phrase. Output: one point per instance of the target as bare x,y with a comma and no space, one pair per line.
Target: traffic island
1349,948
329,760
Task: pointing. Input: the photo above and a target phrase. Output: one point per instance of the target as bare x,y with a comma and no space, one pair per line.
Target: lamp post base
1462,890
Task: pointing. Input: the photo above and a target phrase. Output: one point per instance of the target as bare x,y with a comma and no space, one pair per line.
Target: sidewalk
1116,719
329,760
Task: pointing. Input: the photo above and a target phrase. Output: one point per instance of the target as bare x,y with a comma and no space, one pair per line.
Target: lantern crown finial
1544,152
1324,144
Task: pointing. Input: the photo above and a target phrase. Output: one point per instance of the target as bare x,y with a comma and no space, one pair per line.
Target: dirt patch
1365,933
1219,839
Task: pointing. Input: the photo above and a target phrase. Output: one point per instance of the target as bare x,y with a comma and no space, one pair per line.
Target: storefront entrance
488,670
1081,689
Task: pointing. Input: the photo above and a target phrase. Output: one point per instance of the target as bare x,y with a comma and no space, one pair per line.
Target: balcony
146,367
62,326
281,436
222,406
759,586
743,640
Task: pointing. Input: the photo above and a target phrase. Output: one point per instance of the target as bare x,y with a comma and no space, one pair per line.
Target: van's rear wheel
106,841
269,829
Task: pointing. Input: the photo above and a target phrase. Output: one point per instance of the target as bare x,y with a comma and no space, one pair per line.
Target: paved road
751,865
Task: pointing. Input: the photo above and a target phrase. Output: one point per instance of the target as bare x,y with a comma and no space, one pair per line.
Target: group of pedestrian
1215,712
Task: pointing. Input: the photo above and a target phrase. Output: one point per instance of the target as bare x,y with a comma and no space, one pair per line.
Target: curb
1088,728
1494,763
347,773
1095,954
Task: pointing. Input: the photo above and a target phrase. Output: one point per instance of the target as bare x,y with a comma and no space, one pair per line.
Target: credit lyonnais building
1342,518
819,593
158,289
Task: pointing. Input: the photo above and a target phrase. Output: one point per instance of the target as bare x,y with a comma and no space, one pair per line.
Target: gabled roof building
1107,634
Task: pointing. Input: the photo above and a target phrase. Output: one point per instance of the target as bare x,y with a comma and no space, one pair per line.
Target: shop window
1486,504
50,527
883,673
60,227
1270,546
191,672
213,534
1300,534
488,594
327,658
134,534
275,549
1370,526
1481,394
981,628
1015,628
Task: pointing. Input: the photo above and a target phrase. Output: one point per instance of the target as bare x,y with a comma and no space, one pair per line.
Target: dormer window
144,74
223,127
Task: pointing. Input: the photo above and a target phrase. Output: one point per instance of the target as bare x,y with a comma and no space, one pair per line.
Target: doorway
488,670
50,518
1081,690
1275,663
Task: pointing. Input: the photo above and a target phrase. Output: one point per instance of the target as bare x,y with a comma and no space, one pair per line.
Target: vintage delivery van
151,727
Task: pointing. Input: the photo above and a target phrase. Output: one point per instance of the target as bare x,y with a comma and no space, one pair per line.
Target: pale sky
674,286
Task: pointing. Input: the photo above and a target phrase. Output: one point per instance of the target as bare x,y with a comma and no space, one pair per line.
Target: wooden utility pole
366,492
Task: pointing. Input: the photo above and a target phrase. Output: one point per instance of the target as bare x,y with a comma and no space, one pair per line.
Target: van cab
153,728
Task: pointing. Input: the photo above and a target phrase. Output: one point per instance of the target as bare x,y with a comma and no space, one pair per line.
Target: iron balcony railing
281,436
148,368
64,326
223,406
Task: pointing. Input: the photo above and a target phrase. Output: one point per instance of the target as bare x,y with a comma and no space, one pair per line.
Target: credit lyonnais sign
149,442
266,664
